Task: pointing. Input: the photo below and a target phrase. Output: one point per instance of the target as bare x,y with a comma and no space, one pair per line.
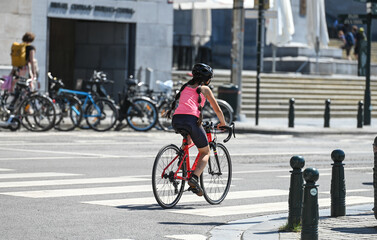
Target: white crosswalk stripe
70,182
128,198
192,198
5,170
36,175
262,207
80,191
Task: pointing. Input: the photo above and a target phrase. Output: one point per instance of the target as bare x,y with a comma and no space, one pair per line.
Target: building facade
76,37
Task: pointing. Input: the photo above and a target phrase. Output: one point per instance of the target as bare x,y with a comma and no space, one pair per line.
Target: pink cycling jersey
188,102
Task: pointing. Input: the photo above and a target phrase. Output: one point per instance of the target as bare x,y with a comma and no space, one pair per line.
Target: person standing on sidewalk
29,69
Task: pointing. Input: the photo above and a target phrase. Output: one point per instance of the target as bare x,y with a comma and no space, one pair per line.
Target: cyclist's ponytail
200,108
172,107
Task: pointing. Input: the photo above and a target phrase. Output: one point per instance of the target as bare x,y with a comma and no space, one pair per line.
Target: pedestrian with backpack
24,63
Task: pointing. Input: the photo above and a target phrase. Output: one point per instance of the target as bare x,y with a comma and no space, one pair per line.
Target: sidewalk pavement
359,222
303,126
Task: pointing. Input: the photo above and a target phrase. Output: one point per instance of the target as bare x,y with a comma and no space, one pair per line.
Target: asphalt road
89,185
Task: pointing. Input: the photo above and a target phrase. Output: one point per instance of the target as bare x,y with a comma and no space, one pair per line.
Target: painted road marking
37,175
71,181
190,198
187,237
80,191
263,207
5,170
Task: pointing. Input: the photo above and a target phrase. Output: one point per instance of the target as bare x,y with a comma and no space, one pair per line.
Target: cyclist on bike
188,116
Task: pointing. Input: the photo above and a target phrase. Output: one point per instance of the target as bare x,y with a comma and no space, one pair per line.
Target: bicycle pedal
194,190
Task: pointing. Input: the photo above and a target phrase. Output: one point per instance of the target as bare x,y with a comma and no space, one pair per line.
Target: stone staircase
309,92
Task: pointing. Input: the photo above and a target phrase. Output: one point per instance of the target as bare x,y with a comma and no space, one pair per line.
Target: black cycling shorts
189,124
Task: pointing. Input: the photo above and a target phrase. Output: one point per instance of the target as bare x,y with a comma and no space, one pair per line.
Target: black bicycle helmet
202,71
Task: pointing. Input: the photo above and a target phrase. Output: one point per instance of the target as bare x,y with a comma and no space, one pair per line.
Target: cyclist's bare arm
209,96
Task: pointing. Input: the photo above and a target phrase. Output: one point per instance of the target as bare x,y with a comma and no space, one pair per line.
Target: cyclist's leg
202,161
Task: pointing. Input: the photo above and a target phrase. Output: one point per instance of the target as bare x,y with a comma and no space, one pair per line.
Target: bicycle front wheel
142,115
69,112
217,176
102,115
37,113
167,189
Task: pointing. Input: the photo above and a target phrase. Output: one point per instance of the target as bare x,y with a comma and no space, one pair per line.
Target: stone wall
16,20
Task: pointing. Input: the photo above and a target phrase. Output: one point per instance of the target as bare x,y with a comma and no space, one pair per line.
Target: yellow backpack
18,53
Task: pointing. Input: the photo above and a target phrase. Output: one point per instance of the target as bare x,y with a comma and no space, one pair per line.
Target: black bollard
327,113
291,114
375,176
310,214
295,191
360,115
338,186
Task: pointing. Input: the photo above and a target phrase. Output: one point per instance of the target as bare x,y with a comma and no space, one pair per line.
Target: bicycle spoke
167,189
217,175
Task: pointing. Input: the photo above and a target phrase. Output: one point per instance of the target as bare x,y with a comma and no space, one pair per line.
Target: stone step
309,92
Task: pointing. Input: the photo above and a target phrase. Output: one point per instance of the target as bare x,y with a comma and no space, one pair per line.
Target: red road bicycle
172,169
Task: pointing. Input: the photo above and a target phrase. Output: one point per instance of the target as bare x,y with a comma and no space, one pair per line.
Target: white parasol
316,26
280,29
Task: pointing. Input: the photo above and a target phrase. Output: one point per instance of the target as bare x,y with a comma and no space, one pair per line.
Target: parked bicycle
68,107
172,168
100,113
36,112
7,120
140,112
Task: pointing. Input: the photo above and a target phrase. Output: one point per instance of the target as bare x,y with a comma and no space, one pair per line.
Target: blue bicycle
100,113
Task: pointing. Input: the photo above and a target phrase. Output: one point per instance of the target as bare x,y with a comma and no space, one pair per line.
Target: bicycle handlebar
230,130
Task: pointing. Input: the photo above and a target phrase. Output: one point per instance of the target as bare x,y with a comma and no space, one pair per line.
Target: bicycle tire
15,124
142,114
69,112
102,115
210,115
37,113
227,111
216,182
163,121
167,190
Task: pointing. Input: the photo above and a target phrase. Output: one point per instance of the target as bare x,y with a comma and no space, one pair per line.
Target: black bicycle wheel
217,176
69,112
227,111
163,121
37,113
15,124
142,115
102,115
210,115
167,189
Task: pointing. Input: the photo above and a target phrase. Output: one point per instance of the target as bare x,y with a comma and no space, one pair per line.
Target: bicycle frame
88,97
186,156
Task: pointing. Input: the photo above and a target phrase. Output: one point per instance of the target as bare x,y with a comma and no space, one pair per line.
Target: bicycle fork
217,162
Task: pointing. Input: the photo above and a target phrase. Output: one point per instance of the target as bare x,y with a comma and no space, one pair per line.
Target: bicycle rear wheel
217,176
37,113
102,115
167,189
163,121
210,115
69,112
142,115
